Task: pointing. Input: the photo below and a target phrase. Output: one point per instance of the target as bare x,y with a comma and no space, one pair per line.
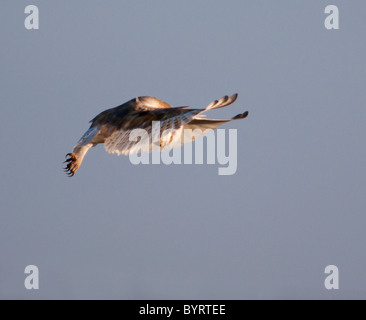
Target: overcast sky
295,205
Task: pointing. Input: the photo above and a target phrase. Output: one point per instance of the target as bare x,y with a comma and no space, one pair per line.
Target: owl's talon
71,164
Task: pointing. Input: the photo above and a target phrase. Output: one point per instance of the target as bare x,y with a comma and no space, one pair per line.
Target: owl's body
114,126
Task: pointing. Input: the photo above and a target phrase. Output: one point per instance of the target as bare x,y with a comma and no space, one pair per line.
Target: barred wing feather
165,131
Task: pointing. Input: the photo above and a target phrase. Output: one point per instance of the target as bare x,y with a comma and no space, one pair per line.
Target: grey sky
115,230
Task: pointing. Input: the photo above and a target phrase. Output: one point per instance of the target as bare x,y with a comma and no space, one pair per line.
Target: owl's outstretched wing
143,129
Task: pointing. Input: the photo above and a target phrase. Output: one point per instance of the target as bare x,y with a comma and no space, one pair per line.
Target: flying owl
114,126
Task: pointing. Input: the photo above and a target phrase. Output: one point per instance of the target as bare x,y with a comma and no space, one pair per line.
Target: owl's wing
143,129
137,131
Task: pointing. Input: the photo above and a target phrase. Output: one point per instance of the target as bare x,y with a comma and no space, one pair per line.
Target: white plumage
163,125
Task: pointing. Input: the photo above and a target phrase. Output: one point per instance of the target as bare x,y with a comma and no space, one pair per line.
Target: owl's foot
71,164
